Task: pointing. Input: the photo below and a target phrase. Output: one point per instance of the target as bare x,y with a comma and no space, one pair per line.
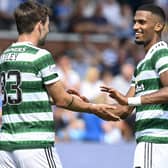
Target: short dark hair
28,14
157,10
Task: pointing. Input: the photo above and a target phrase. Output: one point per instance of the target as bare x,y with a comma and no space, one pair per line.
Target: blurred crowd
81,16
87,67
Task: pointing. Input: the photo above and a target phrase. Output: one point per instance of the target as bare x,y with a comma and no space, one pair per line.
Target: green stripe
9,146
19,65
153,107
33,86
151,123
27,107
51,77
145,66
135,72
44,61
150,84
27,87
26,127
152,139
133,82
158,55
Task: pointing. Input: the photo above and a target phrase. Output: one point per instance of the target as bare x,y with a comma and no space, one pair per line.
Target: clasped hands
106,111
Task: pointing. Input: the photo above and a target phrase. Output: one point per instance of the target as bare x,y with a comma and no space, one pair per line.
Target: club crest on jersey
139,87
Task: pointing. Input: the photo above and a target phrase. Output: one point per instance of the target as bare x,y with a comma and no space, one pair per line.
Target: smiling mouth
138,35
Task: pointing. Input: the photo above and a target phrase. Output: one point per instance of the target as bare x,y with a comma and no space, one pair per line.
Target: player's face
144,24
44,32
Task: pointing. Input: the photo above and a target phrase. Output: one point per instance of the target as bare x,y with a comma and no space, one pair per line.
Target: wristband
134,101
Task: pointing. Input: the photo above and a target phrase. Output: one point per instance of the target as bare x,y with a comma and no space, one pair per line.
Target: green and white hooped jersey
151,120
27,116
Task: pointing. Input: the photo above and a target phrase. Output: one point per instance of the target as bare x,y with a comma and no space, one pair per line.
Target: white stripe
145,92
147,75
31,117
25,77
162,61
163,70
149,114
29,77
38,96
37,136
52,81
27,57
29,97
152,132
42,52
132,84
49,70
133,78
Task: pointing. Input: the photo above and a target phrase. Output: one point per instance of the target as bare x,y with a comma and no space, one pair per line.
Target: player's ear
159,27
38,27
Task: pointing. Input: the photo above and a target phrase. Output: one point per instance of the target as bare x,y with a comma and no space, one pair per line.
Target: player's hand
115,95
105,112
74,92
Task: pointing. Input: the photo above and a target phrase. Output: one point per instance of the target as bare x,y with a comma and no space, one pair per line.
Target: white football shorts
30,158
151,155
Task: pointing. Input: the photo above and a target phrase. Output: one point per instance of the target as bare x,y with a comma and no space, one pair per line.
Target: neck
151,43
28,37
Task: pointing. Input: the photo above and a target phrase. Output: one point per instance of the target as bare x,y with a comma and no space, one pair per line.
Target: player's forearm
158,97
76,104
123,111
65,100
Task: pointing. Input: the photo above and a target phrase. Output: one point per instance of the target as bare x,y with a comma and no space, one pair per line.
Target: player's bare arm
74,103
161,96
